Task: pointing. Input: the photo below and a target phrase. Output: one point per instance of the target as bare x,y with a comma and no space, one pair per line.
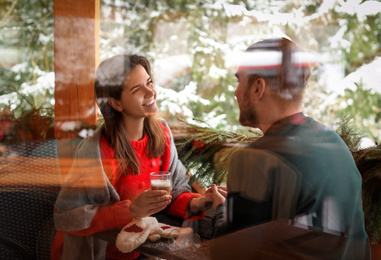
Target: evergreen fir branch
198,150
187,155
211,138
368,161
372,211
351,135
372,174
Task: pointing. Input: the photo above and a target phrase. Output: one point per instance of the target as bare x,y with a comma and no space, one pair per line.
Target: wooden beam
76,56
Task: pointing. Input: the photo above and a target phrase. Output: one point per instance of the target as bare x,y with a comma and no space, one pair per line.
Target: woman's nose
149,90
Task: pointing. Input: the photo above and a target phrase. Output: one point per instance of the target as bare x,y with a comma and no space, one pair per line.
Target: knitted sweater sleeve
179,207
85,190
108,218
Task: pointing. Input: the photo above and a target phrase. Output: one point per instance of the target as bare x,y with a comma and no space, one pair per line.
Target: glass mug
161,180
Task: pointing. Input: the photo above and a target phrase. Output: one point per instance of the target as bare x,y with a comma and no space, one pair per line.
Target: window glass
49,51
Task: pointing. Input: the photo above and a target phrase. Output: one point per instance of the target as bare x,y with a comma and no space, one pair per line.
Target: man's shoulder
261,159
325,133
251,167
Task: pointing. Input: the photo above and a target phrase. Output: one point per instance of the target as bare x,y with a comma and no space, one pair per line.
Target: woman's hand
201,203
149,202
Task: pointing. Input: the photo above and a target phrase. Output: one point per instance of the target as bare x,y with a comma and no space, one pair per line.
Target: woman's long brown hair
110,78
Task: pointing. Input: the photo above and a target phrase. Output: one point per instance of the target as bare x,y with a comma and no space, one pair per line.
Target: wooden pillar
76,55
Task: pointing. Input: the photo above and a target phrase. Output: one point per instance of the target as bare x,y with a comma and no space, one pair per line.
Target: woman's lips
149,103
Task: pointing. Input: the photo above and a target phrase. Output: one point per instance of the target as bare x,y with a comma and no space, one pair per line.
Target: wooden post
76,55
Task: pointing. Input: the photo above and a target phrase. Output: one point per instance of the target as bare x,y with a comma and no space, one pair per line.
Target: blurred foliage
26,42
364,105
365,39
27,26
350,134
134,27
207,26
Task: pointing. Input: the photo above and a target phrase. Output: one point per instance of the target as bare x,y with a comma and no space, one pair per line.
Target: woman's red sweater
129,187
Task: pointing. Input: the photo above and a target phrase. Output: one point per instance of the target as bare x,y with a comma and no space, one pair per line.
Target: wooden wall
76,56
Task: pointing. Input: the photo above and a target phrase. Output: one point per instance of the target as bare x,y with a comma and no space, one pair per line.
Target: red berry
199,144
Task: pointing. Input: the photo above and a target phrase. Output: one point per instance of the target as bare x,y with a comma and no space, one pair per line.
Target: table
200,250
271,240
165,248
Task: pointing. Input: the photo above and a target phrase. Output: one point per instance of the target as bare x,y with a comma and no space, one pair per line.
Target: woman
109,184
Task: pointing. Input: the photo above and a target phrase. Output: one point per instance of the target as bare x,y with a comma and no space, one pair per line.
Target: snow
166,69
176,102
333,69
44,83
369,75
366,143
352,7
216,73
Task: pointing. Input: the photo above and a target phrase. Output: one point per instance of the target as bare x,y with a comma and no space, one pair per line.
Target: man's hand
219,195
149,202
221,189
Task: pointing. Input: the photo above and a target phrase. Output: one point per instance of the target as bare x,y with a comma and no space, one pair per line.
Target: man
300,170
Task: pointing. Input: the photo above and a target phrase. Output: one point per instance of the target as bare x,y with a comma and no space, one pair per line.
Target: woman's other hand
201,203
149,202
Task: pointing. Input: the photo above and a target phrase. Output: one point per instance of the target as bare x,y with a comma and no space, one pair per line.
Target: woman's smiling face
138,98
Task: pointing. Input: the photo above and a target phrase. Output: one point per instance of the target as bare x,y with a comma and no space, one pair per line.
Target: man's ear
258,88
115,104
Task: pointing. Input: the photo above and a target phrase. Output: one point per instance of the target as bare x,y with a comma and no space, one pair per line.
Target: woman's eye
136,90
149,83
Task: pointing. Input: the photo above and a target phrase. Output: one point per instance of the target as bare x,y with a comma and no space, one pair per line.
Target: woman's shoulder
163,123
89,146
